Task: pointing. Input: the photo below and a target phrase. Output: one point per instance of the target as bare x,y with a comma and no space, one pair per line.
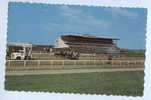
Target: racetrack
68,71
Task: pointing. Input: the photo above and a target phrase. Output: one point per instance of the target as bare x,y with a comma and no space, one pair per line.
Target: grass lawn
112,83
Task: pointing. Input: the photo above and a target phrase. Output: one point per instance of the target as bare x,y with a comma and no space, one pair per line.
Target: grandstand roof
90,36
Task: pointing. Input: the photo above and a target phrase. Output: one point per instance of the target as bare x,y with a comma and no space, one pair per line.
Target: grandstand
86,43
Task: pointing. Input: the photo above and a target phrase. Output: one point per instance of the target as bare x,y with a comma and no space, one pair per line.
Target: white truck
19,51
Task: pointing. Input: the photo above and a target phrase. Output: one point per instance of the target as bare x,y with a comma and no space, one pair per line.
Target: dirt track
39,72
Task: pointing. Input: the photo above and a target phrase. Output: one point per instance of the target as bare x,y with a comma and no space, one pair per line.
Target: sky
44,23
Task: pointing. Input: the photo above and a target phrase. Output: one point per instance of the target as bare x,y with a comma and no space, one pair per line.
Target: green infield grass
128,83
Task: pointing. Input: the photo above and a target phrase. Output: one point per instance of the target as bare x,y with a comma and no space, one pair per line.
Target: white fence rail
25,63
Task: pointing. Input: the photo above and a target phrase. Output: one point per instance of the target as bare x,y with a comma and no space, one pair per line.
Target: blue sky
44,23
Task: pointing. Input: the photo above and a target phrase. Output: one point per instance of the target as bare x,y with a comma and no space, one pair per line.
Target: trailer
19,51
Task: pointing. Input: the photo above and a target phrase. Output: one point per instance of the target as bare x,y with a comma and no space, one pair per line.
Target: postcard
76,49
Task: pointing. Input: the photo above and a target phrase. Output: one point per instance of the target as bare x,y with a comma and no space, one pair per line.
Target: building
86,42
42,48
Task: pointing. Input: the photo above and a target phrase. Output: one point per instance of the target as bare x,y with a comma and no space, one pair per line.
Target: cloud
82,18
122,12
76,20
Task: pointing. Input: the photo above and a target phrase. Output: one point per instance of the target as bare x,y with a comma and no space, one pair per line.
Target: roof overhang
93,37
19,44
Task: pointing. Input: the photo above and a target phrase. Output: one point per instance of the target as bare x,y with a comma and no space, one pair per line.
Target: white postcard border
16,95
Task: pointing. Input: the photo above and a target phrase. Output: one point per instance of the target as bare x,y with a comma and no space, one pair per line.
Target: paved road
39,72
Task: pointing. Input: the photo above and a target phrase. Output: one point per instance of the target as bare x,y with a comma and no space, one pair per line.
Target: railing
121,63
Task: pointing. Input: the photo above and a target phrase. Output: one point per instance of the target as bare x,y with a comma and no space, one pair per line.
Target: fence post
94,62
75,63
24,63
63,62
85,63
38,63
102,62
143,62
52,62
9,63
130,63
135,63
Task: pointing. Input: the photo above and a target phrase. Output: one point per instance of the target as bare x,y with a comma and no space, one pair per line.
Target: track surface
39,72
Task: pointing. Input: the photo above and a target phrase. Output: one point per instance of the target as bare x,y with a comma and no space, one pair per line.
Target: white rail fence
24,63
